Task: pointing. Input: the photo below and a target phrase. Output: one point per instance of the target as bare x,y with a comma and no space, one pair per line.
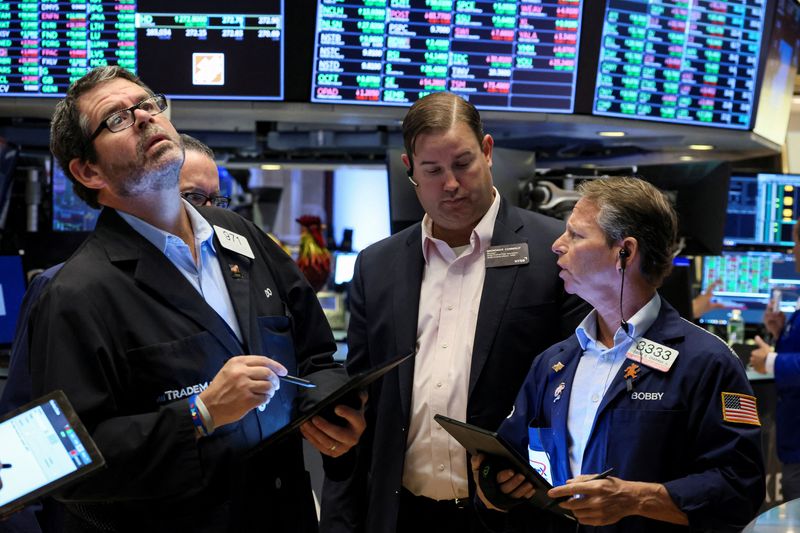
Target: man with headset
637,389
474,291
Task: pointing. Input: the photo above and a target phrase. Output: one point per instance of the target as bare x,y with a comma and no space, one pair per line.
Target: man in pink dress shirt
474,291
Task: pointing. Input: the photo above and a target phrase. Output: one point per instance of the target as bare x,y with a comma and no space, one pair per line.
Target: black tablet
353,385
478,440
43,446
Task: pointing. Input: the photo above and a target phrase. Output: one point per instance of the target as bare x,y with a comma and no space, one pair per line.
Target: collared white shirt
597,368
205,275
450,296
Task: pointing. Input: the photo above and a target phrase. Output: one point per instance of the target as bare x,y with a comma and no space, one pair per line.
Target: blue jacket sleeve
787,369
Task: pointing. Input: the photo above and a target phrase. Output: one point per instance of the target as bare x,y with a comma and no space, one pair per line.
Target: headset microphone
410,175
623,259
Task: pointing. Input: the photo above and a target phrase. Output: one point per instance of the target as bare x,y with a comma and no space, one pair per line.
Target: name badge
507,255
234,242
652,354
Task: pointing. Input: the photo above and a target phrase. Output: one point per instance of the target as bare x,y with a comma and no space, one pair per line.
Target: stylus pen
602,475
5,465
298,381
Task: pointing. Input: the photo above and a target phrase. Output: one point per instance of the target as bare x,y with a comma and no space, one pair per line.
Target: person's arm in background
702,304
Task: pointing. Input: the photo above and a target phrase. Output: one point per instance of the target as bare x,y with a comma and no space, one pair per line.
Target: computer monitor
748,279
740,217
699,193
687,62
343,266
230,50
762,210
12,289
777,208
518,56
70,213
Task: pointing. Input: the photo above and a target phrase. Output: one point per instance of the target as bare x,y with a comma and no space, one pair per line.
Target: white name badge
541,463
652,354
234,242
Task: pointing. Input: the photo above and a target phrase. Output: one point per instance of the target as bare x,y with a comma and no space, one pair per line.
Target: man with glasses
199,181
144,328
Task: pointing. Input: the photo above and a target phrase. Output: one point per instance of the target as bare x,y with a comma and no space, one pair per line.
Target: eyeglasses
125,119
199,199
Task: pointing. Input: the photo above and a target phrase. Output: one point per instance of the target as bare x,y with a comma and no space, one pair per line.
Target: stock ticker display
499,55
186,50
692,62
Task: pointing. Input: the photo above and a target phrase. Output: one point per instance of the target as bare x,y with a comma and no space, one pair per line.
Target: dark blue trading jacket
675,435
787,384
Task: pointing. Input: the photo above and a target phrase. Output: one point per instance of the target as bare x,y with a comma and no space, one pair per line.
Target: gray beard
141,180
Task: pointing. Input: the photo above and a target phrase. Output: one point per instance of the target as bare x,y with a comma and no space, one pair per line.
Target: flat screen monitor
684,62
780,69
740,217
762,210
200,49
344,264
12,289
699,192
497,55
70,213
747,280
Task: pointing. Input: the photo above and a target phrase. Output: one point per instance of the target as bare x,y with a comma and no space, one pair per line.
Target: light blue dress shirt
205,276
596,369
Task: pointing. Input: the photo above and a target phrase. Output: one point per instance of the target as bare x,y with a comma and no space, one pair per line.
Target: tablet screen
40,448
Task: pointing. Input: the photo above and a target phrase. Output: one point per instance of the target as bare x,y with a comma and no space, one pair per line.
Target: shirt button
449,307
595,398
441,468
439,385
444,345
438,427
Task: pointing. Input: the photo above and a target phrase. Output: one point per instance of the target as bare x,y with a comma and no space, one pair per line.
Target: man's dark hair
439,112
632,207
69,128
195,145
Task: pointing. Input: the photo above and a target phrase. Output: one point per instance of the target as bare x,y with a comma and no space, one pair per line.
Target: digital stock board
692,62
519,55
184,49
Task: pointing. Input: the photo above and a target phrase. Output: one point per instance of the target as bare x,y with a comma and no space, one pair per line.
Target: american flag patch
739,408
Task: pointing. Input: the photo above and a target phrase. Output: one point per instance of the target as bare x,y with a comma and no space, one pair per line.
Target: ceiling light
686,158
270,167
611,133
701,147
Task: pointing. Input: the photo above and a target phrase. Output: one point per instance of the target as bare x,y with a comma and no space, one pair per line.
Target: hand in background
702,303
758,357
774,321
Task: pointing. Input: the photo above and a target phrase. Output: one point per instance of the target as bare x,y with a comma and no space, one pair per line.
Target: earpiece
623,257
410,175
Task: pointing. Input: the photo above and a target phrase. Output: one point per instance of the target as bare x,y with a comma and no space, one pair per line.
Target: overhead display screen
198,49
692,61
519,55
